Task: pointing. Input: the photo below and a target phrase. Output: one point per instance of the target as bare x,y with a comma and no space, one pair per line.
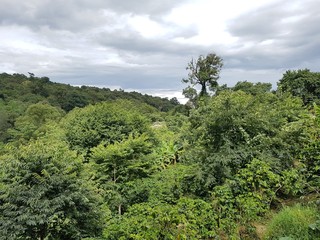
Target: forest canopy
239,162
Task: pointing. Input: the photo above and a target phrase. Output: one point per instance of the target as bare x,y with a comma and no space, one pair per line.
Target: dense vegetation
33,89
239,162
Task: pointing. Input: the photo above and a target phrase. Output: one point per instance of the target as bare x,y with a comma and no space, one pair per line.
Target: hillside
89,163
33,89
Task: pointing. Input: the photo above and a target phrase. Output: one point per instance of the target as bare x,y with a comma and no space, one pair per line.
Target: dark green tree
301,83
9,111
44,194
247,87
35,117
203,72
253,88
107,122
235,127
119,163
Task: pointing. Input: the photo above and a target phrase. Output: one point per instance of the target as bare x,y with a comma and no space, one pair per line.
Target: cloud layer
146,45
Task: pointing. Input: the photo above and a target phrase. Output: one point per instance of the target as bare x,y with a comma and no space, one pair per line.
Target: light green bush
292,223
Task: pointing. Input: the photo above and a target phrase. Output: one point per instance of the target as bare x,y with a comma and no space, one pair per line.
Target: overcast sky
145,45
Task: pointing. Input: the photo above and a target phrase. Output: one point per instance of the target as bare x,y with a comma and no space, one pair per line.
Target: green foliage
303,84
253,88
167,186
315,227
209,172
204,72
32,123
239,118
245,198
35,89
293,182
122,161
232,128
168,147
248,87
310,155
107,122
44,194
9,111
258,177
310,152
224,204
189,219
292,222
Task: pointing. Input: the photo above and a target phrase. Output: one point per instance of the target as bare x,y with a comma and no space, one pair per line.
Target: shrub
292,223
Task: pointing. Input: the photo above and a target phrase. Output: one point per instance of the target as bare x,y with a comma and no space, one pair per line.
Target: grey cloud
153,8
258,25
232,76
58,14
277,20
293,32
114,76
76,15
155,71
132,41
77,37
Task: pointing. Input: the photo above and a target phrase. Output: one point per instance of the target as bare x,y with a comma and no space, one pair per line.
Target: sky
145,45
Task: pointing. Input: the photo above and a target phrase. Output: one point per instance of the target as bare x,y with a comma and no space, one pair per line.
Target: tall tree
204,72
303,84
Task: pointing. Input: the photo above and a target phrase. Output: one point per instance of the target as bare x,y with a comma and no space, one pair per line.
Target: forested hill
242,164
33,89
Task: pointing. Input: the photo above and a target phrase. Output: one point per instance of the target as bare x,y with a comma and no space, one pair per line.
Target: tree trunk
203,90
119,209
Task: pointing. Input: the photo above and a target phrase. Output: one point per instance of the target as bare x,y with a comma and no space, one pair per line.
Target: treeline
34,89
242,163
18,91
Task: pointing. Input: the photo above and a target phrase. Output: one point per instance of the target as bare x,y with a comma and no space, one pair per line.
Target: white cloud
147,27
147,44
210,19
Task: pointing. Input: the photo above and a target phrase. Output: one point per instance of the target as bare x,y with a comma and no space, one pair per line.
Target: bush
292,223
